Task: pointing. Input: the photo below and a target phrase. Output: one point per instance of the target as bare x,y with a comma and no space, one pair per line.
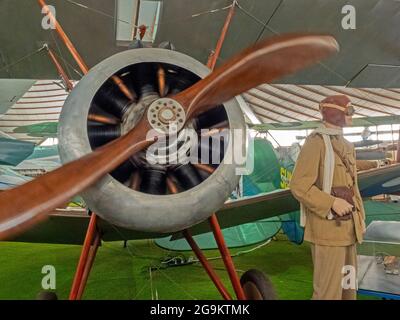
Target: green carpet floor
137,272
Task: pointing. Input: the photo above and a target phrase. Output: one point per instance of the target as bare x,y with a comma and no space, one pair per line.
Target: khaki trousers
332,267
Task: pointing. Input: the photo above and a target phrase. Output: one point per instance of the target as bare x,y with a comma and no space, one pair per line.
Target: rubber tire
46,295
257,286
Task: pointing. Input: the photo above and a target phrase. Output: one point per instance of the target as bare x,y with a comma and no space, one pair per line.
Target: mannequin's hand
341,207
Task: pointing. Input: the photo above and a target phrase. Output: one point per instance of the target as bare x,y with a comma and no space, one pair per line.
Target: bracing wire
23,58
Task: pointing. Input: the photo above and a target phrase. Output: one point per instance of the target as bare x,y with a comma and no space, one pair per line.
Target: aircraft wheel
257,286
46,295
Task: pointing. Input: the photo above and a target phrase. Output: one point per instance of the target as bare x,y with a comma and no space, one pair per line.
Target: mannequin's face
334,117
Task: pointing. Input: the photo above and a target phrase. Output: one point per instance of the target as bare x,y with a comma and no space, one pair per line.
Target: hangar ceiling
375,42
34,114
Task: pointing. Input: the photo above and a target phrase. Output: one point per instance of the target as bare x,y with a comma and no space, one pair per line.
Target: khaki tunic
306,187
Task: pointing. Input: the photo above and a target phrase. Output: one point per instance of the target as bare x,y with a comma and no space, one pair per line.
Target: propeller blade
214,117
262,63
28,204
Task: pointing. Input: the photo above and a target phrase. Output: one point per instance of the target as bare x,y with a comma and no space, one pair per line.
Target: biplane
103,140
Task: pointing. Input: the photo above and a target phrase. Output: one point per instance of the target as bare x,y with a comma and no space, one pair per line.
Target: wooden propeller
25,205
262,63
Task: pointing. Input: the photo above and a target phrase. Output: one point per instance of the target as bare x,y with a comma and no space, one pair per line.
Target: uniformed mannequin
326,162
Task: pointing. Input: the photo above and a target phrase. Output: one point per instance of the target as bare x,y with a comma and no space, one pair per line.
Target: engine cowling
151,207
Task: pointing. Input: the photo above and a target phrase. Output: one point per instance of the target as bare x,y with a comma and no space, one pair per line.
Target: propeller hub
166,115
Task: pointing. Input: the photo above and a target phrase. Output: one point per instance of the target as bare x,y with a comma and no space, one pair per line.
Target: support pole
60,70
88,251
199,254
90,235
75,54
219,238
89,265
206,265
226,257
92,117
212,59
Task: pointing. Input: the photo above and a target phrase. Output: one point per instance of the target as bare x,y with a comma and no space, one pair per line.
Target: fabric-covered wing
249,209
11,179
385,180
70,226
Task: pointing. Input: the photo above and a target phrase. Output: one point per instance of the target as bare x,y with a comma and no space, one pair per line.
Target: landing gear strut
253,285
